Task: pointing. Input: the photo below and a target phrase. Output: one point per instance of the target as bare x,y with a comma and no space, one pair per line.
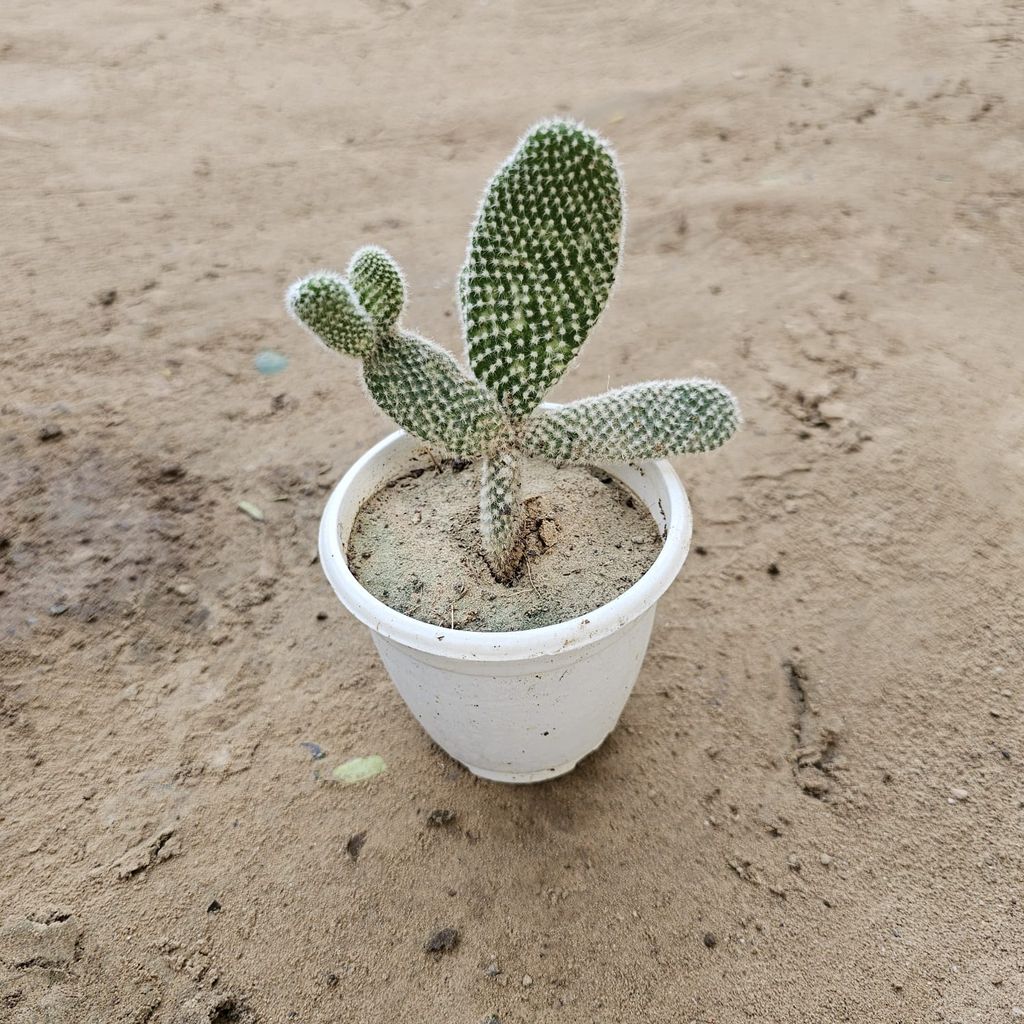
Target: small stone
815,785
773,569
443,941
214,907
57,609
493,1019
548,533
269,362
355,844
994,713
794,862
959,795
833,411
252,511
492,970
709,940
440,818
170,471
50,432
527,981
185,589
825,860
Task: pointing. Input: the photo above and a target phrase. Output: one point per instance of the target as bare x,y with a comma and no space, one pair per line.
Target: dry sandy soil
827,213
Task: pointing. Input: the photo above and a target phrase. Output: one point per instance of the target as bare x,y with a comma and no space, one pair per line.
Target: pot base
524,777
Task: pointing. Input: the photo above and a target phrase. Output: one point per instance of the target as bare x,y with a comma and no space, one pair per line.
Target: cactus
540,265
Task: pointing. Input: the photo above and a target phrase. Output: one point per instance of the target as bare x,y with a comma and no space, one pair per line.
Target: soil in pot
415,545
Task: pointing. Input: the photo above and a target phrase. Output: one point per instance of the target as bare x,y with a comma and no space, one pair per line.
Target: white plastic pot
522,706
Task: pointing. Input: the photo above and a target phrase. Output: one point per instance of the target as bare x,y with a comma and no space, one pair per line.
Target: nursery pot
519,706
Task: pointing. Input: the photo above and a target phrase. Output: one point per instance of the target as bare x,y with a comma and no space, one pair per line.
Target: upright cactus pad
379,284
541,262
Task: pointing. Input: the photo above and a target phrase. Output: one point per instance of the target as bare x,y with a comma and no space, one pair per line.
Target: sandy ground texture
812,809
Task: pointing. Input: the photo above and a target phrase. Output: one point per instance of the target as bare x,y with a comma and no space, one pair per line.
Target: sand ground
827,213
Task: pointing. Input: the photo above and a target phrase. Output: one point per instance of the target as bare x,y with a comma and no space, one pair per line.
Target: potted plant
525,702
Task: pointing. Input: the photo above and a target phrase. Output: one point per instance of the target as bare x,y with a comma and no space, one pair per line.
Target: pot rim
518,645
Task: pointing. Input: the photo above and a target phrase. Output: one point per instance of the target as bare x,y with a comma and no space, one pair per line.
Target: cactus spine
540,265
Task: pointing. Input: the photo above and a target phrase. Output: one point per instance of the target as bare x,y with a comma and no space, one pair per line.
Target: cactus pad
643,421
425,391
378,282
541,261
326,305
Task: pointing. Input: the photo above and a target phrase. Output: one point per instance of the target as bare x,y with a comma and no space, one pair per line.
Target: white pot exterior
522,706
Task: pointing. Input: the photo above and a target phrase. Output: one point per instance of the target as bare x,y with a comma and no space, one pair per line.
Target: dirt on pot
416,547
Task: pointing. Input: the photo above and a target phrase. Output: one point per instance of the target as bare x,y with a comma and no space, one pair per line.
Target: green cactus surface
378,282
500,512
542,258
423,389
541,261
643,421
326,304
417,383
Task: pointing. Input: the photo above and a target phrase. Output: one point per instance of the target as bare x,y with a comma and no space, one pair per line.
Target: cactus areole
541,261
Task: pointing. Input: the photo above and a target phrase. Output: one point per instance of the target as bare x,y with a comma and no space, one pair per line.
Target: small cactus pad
425,391
541,261
325,304
643,421
378,282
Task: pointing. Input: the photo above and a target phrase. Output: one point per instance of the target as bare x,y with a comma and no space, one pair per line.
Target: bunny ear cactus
540,265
